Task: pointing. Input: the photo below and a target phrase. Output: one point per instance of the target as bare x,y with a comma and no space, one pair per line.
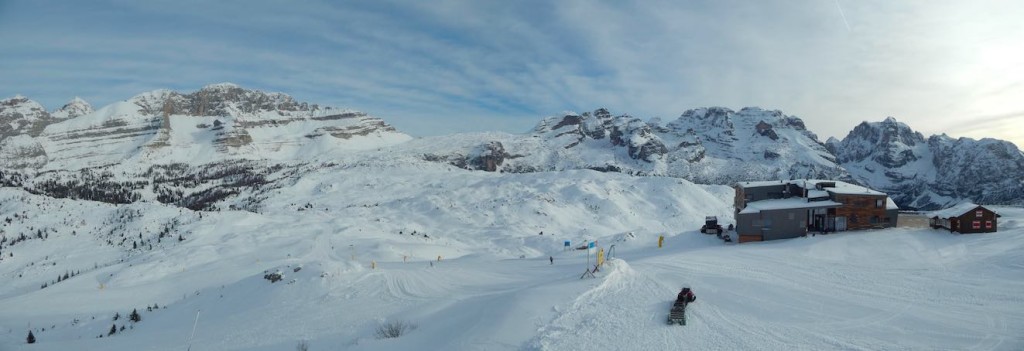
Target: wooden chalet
965,218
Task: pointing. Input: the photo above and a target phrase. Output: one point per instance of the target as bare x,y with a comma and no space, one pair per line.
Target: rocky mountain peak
222,99
934,172
889,143
710,116
74,108
21,115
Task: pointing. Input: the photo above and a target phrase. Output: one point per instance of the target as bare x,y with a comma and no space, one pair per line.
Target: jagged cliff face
21,122
19,115
711,145
931,173
218,122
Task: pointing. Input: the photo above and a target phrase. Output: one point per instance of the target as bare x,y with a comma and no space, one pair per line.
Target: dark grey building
772,210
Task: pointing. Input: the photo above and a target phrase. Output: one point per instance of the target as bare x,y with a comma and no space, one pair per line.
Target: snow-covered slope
366,226
459,255
935,172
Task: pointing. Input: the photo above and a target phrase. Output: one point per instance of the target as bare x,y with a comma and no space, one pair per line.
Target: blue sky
439,67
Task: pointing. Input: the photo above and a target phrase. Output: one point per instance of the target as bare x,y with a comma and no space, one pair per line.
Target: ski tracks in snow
628,303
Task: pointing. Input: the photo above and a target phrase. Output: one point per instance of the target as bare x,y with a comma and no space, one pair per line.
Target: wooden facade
863,211
749,238
968,220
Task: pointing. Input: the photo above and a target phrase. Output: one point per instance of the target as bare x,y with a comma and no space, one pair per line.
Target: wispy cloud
447,66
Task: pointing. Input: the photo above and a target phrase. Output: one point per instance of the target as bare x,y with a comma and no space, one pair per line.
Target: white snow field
493,288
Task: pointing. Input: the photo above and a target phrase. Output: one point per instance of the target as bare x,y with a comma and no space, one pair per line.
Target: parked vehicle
711,226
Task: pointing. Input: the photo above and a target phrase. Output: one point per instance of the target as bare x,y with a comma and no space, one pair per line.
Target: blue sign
591,245
567,243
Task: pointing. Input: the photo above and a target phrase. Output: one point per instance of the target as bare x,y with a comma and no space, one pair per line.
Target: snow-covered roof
890,205
786,204
816,193
755,184
840,187
810,184
954,211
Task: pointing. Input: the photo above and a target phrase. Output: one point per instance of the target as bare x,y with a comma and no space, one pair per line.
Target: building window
979,213
874,219
792,216
853,219
988,224
757,223
976,225
879,203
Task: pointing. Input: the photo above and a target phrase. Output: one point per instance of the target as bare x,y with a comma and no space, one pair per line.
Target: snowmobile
677,314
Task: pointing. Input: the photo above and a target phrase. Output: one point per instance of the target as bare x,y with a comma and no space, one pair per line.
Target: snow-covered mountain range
233,219
931,172
136,145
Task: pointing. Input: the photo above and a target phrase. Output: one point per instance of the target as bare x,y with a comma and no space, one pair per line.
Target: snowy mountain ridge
248,131
216,123
931,173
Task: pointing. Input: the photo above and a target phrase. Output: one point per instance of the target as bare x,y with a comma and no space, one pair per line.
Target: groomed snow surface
493,288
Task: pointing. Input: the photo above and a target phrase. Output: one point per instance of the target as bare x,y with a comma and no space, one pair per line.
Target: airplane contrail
843,15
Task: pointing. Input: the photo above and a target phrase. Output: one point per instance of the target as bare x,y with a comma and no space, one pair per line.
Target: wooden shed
965,218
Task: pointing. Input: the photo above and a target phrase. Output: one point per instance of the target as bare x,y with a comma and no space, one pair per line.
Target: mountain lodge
770,210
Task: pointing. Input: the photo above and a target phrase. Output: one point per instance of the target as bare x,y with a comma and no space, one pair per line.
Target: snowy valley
267,223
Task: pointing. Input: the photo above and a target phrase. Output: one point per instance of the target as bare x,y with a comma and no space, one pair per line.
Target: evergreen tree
31,338
116,316
135,317
113,329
